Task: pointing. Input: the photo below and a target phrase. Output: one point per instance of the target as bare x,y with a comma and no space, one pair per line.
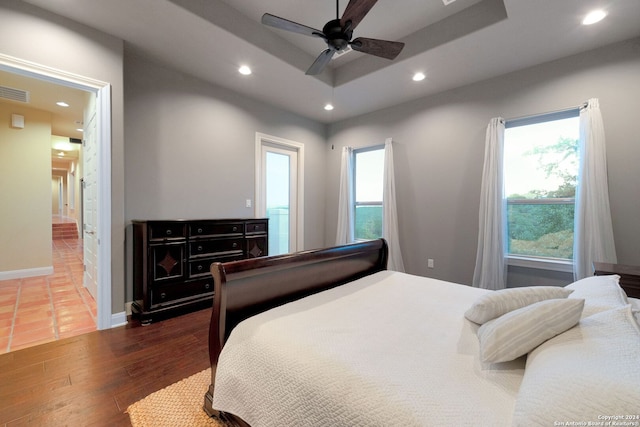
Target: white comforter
390,349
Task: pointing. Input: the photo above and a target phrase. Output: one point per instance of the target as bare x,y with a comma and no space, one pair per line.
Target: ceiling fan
337,34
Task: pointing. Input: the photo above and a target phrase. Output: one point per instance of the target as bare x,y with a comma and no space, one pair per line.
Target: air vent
14,94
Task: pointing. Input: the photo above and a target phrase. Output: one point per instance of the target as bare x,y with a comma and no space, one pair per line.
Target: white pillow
635,308
520,331
497,303
601,293
585,373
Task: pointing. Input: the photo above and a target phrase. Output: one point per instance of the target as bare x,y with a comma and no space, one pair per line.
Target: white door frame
261,139
103,116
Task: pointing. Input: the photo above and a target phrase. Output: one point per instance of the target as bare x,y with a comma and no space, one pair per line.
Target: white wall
190,149
440,148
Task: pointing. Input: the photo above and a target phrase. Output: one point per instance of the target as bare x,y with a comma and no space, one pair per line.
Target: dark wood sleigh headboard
248,287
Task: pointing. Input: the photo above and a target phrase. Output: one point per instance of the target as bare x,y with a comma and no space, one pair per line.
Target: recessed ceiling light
62,104
418,77
244,70
80,130
593,17
328,107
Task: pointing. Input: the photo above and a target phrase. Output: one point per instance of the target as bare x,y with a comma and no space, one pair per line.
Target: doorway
279,191
101,226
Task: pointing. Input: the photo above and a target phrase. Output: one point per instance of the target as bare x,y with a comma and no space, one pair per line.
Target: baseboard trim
118,319
27,272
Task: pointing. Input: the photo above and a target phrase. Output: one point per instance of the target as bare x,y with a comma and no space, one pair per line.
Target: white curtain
344,234
389,211
490,270
593,233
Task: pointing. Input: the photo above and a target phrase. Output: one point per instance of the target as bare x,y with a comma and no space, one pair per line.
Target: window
540,179
368,165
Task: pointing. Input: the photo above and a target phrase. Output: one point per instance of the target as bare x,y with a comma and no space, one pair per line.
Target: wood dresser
629,276
171,260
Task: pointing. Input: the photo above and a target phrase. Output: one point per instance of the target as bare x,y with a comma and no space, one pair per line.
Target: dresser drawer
201,248
202,267
166,230
201,229
168,294
256,227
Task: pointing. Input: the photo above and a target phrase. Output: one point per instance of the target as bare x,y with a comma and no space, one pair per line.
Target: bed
329,337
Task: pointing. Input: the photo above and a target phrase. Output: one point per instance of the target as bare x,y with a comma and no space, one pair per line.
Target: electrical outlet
248,203
430,263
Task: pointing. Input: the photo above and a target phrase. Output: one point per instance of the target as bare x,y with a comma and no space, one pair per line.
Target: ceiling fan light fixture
593,17
244,70
418,77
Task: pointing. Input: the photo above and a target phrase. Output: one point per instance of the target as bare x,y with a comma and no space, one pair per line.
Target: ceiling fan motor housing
337,38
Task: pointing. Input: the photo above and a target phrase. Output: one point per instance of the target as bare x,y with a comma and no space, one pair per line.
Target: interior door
90,199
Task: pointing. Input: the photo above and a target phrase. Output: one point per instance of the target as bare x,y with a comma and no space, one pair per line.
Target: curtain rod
548,113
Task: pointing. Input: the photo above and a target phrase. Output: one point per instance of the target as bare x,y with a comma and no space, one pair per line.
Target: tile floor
40,309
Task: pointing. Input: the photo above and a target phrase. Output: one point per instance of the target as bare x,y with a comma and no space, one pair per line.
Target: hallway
37,310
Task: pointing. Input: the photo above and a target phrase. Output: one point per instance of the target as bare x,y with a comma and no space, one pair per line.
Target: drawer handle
199,230
235,228
199,248
256,227
163,295
207,286
235,244
200,268
168,232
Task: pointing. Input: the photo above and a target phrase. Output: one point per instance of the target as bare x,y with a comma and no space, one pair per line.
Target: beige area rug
180,404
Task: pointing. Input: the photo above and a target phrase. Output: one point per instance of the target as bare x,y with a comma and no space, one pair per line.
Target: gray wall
190,149
440,149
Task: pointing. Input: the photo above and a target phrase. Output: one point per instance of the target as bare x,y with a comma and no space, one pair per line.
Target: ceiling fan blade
321,61
285,24
381,48
355,12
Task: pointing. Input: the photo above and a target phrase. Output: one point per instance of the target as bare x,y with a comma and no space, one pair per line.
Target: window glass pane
544,230
368,222
540,179
369,167
278,201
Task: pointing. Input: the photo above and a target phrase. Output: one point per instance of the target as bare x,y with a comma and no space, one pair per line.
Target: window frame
354,163
532,261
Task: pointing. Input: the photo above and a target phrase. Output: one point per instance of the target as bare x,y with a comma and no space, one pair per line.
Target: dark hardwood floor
91,379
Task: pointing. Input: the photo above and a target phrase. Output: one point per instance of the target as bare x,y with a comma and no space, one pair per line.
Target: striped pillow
495,304
520,331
